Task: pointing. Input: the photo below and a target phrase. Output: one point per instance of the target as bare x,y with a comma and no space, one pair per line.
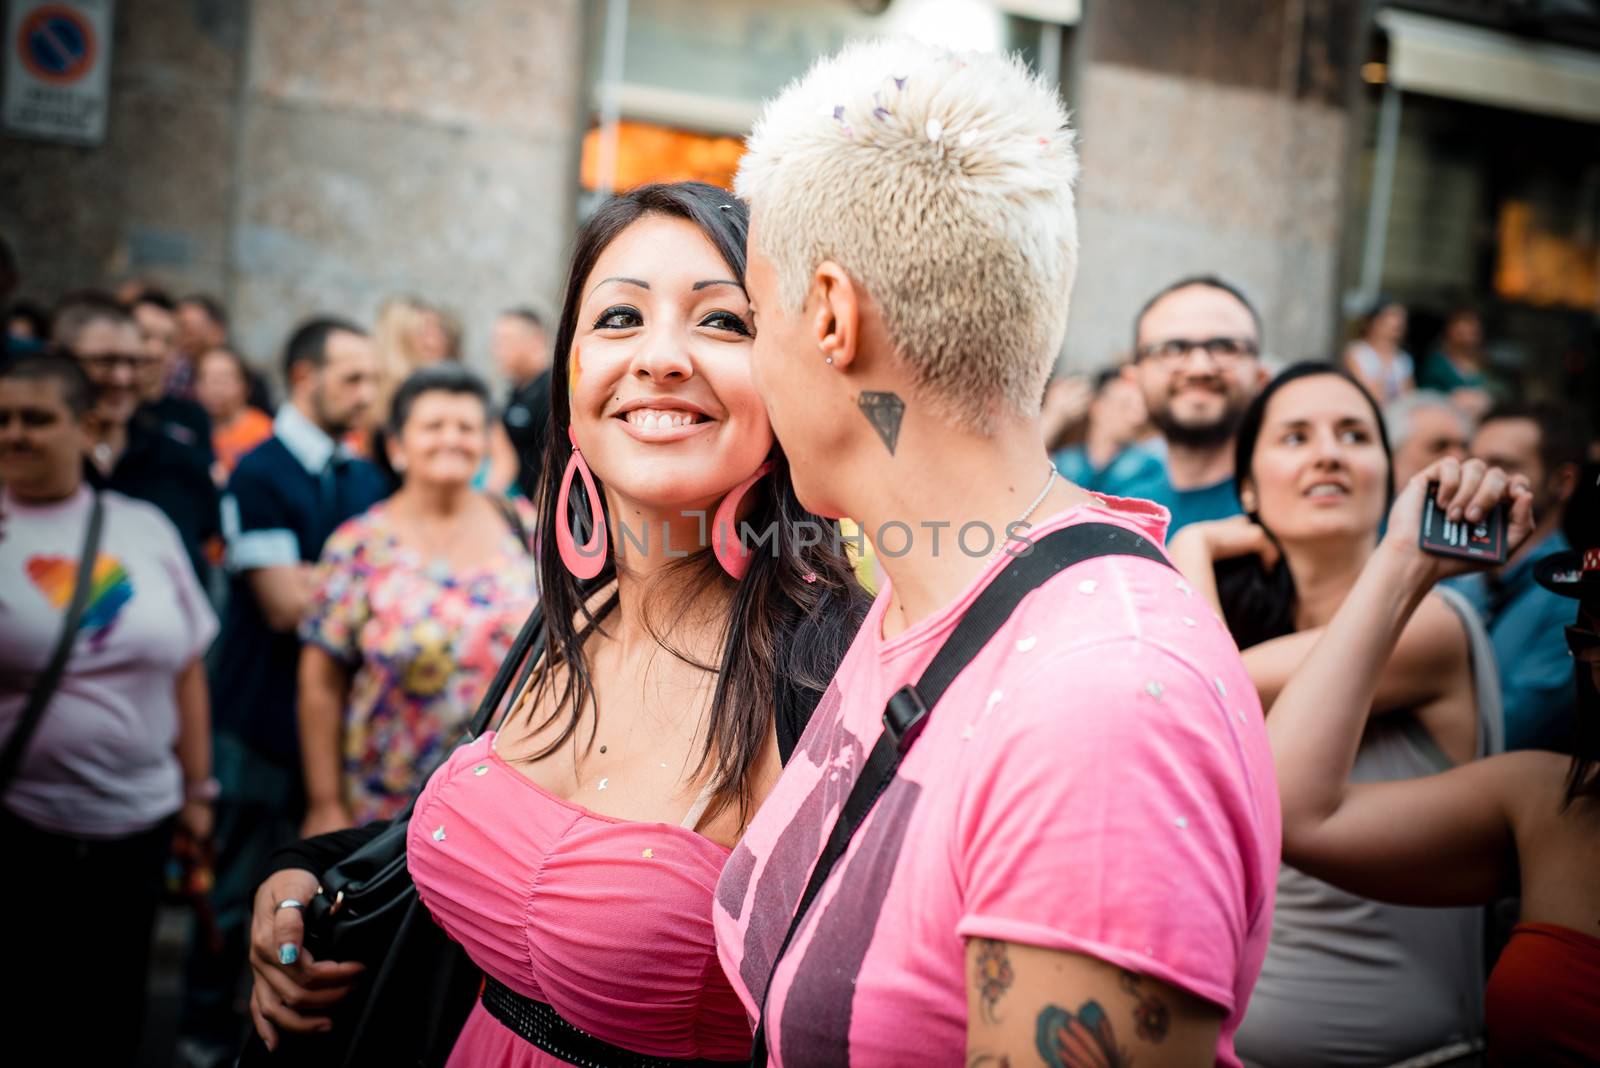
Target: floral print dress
422,643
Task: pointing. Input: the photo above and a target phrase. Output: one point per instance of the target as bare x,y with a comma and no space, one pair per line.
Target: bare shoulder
1531,784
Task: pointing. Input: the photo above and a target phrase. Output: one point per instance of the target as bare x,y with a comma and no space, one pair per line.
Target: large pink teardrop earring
731,553
584,561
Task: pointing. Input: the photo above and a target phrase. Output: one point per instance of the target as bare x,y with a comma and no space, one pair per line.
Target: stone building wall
305,155
1214,139
296,156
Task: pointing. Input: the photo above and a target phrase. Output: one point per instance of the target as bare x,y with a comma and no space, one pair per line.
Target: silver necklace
1044,491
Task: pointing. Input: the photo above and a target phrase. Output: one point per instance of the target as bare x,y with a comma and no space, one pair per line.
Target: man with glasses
130,451
1196,354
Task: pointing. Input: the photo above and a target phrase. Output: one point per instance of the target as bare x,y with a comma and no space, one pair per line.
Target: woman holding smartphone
1316,477
1526,822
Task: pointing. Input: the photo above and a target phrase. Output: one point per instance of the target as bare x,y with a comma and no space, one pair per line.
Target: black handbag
411,1002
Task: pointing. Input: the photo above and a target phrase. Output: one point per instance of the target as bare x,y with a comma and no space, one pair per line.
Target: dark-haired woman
1347,981
418,599
1375,357
1525,822
574,850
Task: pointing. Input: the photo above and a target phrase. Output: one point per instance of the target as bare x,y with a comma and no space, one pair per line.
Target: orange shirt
230,443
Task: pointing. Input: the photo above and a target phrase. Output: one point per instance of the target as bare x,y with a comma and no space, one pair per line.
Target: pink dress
606,920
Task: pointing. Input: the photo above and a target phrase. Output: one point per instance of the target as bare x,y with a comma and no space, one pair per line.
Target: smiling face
41,442
113,355
443,440
1195,397
1319,469
663,406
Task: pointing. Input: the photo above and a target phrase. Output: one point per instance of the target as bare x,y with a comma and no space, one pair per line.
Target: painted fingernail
288,953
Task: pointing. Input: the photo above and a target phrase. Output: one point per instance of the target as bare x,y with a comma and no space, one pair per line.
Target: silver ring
289,903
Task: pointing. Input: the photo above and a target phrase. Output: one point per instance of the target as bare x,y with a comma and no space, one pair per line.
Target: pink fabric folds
1097,782
609,921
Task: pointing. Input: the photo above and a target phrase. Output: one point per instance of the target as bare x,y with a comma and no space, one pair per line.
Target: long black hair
1259,604
795,612
1583,776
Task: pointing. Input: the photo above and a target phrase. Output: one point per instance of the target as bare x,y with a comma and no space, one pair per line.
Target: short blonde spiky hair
943,184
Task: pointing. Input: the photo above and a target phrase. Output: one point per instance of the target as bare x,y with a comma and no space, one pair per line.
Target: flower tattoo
994,976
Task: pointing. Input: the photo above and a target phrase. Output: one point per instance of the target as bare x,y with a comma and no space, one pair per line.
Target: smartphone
1483,541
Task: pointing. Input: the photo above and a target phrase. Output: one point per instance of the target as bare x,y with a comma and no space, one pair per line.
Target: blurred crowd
346,547
347,566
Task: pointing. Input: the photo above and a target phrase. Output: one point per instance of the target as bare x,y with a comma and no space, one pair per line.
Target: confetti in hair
959,166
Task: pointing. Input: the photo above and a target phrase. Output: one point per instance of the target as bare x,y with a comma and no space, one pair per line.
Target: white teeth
660,418
1325,490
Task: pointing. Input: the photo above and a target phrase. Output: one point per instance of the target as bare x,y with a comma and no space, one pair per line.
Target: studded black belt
542,1026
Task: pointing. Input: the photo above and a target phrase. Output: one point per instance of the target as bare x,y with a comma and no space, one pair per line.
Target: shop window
1537,265
647,152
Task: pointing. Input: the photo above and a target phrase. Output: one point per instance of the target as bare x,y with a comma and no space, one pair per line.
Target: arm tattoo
994,976
883,411
1150,1016
1081,1039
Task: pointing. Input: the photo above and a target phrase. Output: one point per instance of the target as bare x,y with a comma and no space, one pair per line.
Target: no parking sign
58,62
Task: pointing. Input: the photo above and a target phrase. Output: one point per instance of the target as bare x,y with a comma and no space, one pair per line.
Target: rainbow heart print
110,589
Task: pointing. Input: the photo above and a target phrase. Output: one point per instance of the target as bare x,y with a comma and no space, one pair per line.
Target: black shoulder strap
45,687
529,640
907,711
508,510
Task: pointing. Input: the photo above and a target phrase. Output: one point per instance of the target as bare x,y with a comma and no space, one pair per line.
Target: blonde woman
410,334
1073,862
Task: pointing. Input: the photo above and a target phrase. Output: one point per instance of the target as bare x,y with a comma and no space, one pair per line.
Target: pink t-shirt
1097,781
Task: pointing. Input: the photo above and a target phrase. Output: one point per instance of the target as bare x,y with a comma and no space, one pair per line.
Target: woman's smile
658,420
